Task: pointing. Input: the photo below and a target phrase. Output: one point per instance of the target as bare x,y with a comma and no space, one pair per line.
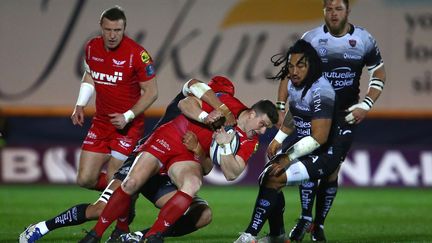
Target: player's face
257,124
336,17
112,32
298,68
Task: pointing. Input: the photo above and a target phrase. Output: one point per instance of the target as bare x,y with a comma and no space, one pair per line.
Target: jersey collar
350,31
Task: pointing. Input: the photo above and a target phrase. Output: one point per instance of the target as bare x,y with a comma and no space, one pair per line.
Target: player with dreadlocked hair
314,155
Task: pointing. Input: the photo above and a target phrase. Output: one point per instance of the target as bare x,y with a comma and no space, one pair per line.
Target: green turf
358,215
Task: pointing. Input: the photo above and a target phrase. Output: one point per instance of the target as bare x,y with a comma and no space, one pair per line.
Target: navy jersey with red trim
343,59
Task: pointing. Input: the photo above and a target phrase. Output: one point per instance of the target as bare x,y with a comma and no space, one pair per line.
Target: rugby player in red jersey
164,152
121,73
158,189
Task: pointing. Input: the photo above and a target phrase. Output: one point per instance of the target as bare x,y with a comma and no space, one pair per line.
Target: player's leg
307,192
117,207
89,170
197,216
187,175
326,194
266,201
75,215
276,222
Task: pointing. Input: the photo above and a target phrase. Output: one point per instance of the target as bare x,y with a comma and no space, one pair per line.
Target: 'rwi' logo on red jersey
118,76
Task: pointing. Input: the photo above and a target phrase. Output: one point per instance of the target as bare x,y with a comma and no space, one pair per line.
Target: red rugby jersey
117,74
204,135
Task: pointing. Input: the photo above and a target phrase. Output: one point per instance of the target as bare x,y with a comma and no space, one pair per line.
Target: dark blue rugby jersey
343,59
319,102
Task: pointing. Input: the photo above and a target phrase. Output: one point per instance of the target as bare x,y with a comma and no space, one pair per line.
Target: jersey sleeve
247,149
144,66
373,55
323,101
86,57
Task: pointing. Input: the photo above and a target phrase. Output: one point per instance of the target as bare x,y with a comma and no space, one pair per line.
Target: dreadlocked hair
277,60
310,56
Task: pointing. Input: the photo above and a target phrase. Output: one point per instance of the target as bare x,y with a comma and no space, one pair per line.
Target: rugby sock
171,212
265,202
186,224
325,196
102,182
123,222
117,206
307,192
276,221
73,216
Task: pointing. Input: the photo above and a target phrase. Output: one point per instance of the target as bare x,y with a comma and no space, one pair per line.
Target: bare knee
130,185
274,182
206,217
333,176
191,186
86,181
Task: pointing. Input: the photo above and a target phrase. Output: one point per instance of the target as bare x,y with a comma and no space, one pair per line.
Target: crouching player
163,150
318,151
159,188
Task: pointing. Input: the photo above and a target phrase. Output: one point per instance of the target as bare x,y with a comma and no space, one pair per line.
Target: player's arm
281,100
190,140
231,165
285,130
85,93
359,111
149,95
191,107
320,129
203,92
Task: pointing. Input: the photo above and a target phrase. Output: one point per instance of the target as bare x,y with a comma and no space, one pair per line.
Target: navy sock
325,196
276,220
265,202
307,192
73,216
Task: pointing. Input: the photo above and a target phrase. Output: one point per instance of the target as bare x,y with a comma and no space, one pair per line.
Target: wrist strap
280,105
225,149
202,116
280,136
129,115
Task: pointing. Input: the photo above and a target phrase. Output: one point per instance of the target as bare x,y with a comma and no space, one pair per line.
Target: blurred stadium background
41,66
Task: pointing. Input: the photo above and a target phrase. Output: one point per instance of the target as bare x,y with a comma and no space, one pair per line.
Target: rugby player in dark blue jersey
312,118
344,49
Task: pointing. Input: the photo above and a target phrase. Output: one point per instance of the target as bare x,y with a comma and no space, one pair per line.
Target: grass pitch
358,214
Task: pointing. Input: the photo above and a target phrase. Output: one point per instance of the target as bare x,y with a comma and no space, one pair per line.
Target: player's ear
252,114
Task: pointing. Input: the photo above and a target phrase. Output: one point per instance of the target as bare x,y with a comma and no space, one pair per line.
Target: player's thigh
91,163
112,166
187,175
144,166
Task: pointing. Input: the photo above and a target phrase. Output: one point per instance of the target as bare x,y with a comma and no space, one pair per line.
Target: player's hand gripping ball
216,149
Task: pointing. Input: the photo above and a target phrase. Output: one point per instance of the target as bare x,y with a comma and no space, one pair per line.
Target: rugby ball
215,148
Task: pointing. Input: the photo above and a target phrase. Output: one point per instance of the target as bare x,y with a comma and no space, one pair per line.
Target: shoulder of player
97,40
313,32
361,32
132,45
322,85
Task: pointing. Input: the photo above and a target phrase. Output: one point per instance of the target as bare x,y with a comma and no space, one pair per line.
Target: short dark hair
346,2
114,13
266,107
